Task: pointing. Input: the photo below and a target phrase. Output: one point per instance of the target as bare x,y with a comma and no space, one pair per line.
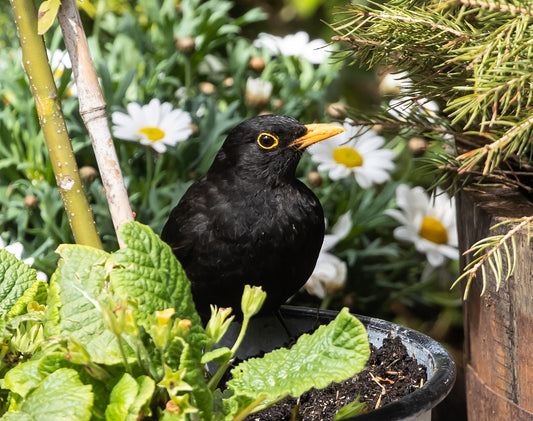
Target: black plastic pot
265,334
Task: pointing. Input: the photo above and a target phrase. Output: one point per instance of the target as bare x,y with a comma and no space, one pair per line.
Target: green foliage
496,254
312,362
138,57
41,402
473,57
15,278
122,339
130,398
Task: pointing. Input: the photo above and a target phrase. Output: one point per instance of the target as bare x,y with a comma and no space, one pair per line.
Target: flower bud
186,45
164,316
252,300
257,93
88,173
207,88
417,145
218,323
314,178
336,110
31,201
256,63
228,82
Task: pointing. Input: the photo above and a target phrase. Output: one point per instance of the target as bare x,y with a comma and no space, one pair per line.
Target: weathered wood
499,323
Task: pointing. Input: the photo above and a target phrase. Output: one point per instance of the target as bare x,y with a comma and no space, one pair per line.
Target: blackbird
249,220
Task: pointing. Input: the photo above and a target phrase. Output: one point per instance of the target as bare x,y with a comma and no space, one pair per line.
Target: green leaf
74,288
38,292
218,355
47,15
25,377
60,396
149,272
15,278
130,398
350,410
331,354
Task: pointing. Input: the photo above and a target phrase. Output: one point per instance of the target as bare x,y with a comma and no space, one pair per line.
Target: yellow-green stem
51,119
213,381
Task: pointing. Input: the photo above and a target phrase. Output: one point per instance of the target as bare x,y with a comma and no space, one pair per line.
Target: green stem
213,381
51,119
123,353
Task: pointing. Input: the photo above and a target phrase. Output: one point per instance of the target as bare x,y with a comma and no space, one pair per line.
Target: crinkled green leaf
38,292
333,353
15,278
150,273
71,312
60,396
25,377
16,416
218,355
129,398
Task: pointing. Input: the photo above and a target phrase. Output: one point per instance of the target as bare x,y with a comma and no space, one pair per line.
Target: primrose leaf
60,396
75,290
15,278
130,398
333,353
37,292
25,377
149,272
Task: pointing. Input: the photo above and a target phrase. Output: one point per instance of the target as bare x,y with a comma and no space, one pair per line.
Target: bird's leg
279,316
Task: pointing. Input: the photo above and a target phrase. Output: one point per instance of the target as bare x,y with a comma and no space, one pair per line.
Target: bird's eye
267,141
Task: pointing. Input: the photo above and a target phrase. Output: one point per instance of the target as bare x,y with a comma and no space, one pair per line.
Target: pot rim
440,380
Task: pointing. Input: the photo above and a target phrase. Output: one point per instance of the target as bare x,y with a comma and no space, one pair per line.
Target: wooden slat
498,324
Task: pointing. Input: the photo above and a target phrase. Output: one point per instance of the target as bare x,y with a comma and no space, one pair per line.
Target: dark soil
390,373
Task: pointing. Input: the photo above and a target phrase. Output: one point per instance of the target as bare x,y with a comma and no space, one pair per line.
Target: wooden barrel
498,324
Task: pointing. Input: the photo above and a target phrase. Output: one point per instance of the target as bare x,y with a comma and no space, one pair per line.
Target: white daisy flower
354,152
394,83
428,223
258,92
297,44
329,275
59,61
155,124
16,249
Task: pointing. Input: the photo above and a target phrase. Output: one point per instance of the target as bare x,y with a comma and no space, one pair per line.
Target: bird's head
270,146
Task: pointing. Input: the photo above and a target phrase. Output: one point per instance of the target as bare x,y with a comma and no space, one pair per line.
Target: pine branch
493,257
473,55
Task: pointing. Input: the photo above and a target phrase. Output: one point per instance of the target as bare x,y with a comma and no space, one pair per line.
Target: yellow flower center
348,157
152,133
433,230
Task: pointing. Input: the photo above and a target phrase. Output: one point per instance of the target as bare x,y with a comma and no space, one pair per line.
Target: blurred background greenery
143,50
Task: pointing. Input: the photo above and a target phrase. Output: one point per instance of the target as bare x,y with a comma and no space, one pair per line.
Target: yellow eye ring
267,141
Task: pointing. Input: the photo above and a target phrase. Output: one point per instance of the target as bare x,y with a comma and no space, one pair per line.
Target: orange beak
316,133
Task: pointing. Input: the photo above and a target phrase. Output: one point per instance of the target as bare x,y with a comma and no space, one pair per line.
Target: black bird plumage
249,220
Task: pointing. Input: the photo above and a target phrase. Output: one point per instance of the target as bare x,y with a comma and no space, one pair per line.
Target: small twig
409,19
383,391
500,7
